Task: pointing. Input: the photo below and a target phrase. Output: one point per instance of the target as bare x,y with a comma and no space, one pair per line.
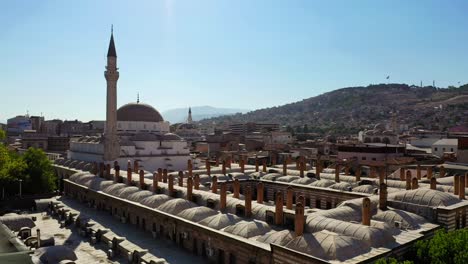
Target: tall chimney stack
337,173
236,188
108,172
461,192
102,168
260,190
372,172
189,167
408,180
442,171
366,206
189,188
456,184
129,164
299,220
279,208
171,184
248,201
256,164
165,175
285,167
402,174
208,167
418,171
214,184
264,165
289,197
382,175
223,167
317,169
38,238
129,176
242,164
116,173
414,184
222,198
181,178
429,172
135,166
358,173
196,182
155,181
142,179
433,183
347,169
383,196
160,175
301,171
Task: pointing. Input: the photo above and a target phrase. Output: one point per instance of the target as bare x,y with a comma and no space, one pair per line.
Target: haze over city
242,54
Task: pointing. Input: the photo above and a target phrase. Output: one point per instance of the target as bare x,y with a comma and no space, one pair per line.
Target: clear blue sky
242,54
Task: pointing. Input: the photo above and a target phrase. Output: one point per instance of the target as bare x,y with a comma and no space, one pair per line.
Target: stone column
260,189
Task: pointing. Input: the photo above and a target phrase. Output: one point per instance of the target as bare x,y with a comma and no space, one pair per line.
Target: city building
444,145
17,125
244,128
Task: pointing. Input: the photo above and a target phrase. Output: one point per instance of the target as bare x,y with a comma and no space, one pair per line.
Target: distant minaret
111,141
189,118
394,123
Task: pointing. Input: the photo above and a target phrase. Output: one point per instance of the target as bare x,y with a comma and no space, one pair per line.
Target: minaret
111,142
189,118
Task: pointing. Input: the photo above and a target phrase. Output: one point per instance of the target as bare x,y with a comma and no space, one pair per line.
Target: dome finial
138,98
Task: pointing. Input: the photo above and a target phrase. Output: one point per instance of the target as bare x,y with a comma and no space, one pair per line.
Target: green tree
444,247
40,177
2,135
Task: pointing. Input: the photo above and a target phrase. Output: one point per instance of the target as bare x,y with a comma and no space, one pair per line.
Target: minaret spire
189,118
111,140
138,98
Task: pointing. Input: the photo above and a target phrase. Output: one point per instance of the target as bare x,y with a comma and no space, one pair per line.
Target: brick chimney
372,172
456,184
155,181
279,208
433,183
165,175
260,190
129,176
264,165
466,179
289,197
217,161
337,173
402,174
442,171
189,188
248,201
196,182
382,175
171,184
38,238
236,188
189,167
461,193
214,184
256,164
208,167
358,173
95,169
418,171
181,178
408,180
414,183
129,164
242,164
108,172
222,197
116,173
299,220
383,196
160,175
300,199
301,171
102,168
366,207
429,172
223,163
135,166
285,167
317,169
347,169
142,180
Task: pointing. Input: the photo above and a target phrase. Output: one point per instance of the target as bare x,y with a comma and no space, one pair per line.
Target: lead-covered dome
138,112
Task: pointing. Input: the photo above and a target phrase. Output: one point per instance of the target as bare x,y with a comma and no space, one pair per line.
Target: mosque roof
138,112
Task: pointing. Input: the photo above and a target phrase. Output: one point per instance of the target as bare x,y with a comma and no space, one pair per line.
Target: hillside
178,115
347,110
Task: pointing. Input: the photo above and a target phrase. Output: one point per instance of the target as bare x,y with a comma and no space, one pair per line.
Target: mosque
135,131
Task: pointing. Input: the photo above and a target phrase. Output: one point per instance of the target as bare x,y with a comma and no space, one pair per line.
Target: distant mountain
178,115
347,110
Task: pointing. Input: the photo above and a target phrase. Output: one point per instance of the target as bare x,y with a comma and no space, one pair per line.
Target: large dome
138,112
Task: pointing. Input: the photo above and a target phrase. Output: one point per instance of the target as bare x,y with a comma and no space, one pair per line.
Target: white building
444,145
135,131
